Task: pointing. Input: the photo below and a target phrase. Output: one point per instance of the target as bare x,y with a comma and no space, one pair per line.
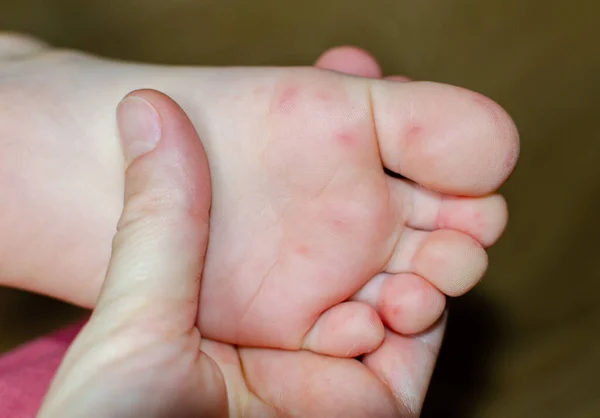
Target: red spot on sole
303,250
345,138
287,100
413,132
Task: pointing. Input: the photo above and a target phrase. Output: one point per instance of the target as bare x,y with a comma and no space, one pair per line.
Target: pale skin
141,353
385,240
303,215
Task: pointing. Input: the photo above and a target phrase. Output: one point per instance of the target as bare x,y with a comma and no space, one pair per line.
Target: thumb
139,354
158,251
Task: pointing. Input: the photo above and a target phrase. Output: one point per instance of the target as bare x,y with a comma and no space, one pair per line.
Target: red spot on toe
419,150
458,215
395,312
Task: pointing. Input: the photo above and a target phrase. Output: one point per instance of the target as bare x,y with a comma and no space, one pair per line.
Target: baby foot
320,217
303,214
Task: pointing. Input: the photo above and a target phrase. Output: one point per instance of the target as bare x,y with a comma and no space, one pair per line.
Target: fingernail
139,127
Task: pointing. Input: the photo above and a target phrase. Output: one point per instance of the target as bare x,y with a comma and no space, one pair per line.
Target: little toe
446,138
348,329
450,260
407,303
483,218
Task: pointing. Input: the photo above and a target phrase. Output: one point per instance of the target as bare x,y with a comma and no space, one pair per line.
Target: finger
405,365
162,235
141,338
305,384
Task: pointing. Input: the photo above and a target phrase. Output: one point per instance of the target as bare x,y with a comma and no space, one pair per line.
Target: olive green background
525,343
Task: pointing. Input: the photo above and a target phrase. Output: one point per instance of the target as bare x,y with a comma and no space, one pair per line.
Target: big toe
446,138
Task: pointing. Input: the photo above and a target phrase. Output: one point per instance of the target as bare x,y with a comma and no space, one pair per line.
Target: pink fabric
26,372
